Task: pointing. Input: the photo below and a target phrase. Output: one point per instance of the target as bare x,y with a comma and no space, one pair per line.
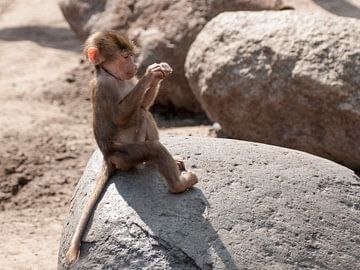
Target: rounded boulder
255,207
283,78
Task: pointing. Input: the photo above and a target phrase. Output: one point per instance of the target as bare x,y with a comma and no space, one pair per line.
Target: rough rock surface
282,78
267,208
164,30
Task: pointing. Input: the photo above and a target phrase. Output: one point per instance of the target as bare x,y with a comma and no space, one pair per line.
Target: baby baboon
124,129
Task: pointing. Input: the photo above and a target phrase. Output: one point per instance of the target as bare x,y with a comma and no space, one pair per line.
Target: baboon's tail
74,250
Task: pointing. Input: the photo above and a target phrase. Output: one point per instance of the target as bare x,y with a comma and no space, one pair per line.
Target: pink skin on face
127,67
123,66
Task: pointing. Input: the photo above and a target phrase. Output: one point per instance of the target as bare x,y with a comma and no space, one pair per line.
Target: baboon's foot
187,180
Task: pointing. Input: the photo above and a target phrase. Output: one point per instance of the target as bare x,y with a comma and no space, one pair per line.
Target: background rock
164,30
282,78
268,208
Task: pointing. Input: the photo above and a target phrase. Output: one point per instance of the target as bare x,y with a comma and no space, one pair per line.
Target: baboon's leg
128,156
152,133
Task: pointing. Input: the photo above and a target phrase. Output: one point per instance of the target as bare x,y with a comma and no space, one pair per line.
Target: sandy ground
45,136
36,47
45,133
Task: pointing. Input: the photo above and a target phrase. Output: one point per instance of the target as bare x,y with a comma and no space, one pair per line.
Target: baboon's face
123,66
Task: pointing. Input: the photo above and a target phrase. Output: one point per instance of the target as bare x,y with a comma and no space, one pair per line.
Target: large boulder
255,207
282,78
163,29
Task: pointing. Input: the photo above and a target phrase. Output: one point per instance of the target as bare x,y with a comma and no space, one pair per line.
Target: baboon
124,129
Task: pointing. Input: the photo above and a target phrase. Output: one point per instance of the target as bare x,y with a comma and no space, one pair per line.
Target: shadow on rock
340,7
176,221
54,37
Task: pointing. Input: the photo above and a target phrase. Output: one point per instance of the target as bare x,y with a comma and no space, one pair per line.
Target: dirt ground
45,134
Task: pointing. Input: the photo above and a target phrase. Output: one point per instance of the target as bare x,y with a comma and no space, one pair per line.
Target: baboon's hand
154,72
166,69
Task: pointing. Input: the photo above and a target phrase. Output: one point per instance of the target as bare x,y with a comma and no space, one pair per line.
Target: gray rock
267,208
282,78
163,29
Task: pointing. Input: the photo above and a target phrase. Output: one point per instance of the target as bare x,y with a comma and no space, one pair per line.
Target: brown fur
124,129
109,44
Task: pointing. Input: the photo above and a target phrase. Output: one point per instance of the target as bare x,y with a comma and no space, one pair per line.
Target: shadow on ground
169,117
54,37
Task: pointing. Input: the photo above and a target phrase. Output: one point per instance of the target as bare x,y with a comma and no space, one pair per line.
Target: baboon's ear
94,56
